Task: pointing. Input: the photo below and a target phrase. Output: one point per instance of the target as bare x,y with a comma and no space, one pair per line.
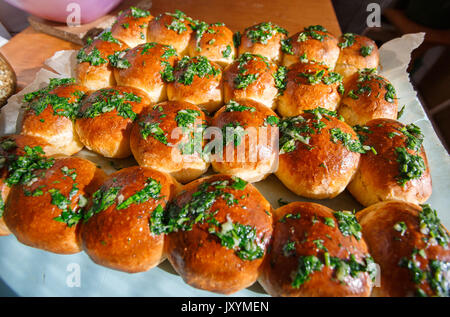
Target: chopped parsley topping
241,238
226,52
432,227
199,66
118,60
234,132
107,37
102,199
152,189
235,106
410,166
286,46
271,120
152,129
178,23
138,13
390,95
414,136
93,57
311,32
348,224
307,265
21,169
289,216
186,117
280,79
320,77
243,79
366,50
109,100
347,40
401,227
237,39
289,248
401,112
68,215
263,32
353,145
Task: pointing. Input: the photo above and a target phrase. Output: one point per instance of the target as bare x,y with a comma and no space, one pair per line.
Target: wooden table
28,50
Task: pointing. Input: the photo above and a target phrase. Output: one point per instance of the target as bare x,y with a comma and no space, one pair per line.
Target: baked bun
171,29
251,77
357,52
94,69
264,39
319,154
214,41
411,247
117,235
368,96
308,86
219,228
50,114
12,158
250,151
147,66
131,26
105,119
398,171
162,138
44,212
313,44
197,80
314,254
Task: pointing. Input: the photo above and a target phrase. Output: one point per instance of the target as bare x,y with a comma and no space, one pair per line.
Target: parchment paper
32,272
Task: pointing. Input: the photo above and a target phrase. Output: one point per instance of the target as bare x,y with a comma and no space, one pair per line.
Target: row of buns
218,232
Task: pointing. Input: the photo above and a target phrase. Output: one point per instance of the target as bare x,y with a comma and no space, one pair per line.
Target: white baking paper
32,272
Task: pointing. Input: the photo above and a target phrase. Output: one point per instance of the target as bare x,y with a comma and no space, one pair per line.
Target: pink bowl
55,10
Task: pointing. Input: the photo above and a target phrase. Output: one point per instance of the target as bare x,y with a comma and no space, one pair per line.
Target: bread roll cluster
148,82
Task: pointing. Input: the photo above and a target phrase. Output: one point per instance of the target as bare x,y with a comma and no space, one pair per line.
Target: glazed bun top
251,77
97,51
171,29
317,145
357,51
398,159
161,135
264,39
131,26
118,101
311,246
313,44
214,41
309,86
147,66
19,151
410,245
219,228
49,109
368,96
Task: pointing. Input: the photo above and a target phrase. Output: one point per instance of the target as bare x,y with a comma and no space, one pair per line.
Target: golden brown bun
359,108
57,130
166,156
351,60
262,89
323,168
216,44
146,65
99,76
259,159
32,218
131,30
270,47
376,178
159,32
301,95
109,133
320,51
205,92
389,243
198,255
12,146
280,266
120,238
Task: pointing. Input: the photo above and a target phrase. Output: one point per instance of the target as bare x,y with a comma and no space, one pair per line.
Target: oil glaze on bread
131,26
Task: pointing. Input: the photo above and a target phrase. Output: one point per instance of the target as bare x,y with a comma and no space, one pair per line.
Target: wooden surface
28,50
